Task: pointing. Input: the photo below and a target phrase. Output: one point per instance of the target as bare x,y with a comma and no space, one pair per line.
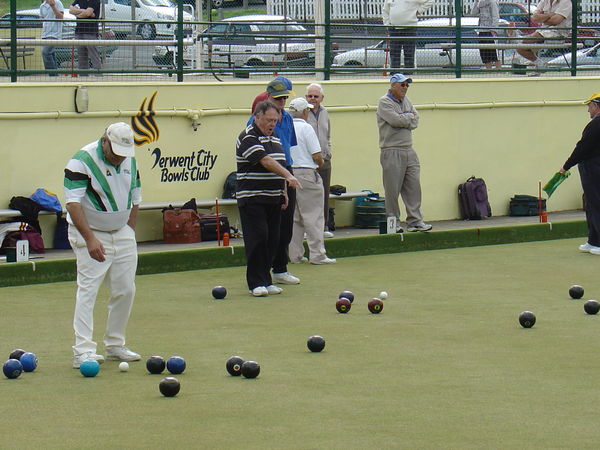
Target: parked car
151,13
429,33
30,19
586,57
249,41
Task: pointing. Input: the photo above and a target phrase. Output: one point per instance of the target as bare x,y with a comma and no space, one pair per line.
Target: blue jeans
49,59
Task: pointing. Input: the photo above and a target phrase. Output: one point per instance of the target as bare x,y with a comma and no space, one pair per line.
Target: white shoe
595,250
121,353
78,359
420,227
325,260
302,260
285,278
259,291
274,290
585,247
327,234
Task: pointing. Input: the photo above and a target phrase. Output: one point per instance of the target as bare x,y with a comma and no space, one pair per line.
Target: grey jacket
321,127
396,119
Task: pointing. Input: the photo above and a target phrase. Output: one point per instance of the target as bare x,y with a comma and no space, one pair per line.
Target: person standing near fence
396,118
87,13
318,118
52,12
489,18
400,16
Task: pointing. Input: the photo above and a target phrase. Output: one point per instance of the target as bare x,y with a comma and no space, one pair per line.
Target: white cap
299,104
120,135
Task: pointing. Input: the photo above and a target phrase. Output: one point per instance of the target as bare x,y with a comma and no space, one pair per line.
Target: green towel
555,181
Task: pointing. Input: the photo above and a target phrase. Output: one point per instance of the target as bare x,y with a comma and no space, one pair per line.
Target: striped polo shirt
106,192
253,180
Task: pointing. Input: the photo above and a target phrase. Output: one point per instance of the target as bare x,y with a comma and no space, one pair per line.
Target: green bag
555,181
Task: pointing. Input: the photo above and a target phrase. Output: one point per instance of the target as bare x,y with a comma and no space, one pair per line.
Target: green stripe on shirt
86,159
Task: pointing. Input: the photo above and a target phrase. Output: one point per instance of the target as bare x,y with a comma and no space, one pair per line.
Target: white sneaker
595,250
285,278
585,247
274,290
121,353
325,260
259,291
78,359
420,227
302,260
327,234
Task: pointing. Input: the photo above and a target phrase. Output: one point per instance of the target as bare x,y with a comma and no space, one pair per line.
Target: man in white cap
396,118
308,214
102,195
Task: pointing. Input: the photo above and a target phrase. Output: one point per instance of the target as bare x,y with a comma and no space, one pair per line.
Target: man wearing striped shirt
102,195
261,195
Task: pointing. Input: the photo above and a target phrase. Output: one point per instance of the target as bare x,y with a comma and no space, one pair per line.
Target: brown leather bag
181,226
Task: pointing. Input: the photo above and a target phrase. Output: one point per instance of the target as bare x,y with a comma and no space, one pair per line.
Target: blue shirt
51,29
285,131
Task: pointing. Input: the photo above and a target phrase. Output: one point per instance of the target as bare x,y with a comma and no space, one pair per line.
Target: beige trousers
308,216
401,176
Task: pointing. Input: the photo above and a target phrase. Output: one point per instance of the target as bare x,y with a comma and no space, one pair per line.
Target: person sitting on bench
554,17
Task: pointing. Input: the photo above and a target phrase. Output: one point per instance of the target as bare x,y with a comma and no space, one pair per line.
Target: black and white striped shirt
253,180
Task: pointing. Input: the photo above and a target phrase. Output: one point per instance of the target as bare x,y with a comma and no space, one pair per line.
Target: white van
149,11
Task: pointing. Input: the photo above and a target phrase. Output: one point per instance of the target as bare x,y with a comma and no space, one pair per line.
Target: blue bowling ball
29,361
12,368
89,368
176,365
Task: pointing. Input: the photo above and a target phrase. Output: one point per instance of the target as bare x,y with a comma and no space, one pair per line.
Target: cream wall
512,142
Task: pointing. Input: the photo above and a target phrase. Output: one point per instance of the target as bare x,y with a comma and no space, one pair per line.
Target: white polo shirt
308,145
106,192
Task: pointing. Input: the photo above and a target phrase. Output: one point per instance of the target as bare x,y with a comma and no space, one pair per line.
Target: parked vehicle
249,41
429,33
151,13
586,57
30,19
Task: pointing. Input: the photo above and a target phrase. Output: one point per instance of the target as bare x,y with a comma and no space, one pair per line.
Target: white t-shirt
308,145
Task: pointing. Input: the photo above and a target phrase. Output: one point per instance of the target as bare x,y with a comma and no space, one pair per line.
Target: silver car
432,34
248,41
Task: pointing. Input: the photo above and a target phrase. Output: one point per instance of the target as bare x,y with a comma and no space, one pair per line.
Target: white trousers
119,271
308,216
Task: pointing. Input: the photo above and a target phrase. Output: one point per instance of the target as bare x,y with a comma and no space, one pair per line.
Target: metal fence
247,49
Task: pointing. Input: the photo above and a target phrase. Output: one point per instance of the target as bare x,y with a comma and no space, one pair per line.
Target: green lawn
445,365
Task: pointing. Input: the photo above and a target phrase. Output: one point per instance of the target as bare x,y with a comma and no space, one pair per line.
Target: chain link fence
352,43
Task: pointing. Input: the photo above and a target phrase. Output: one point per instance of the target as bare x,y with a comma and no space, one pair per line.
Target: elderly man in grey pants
396,118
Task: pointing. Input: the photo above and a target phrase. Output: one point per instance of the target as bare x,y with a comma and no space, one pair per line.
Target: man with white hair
308,215
318,117
396,118
102,194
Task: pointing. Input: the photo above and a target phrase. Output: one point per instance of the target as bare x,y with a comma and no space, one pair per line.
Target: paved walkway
445,225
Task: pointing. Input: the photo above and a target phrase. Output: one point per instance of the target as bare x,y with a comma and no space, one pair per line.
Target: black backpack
230,185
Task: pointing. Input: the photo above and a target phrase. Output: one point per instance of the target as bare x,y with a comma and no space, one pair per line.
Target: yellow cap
594,98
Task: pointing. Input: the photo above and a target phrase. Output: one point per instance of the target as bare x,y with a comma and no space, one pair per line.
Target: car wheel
255,63
147,31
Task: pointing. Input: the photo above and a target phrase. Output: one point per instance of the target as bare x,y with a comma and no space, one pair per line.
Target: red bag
181,226
36,242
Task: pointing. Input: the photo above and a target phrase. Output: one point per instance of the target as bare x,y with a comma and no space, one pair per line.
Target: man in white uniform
102,194
308,216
